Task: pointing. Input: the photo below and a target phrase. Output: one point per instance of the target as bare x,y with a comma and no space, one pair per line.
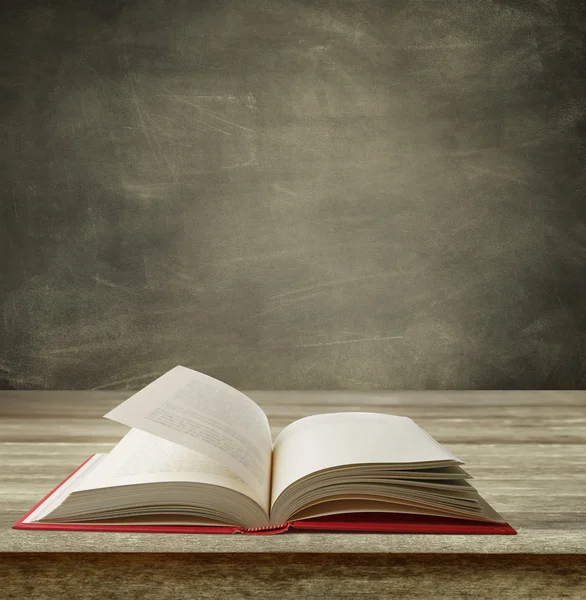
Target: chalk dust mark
259,256
250,163
311,367
32,382
243,128
116,286
180,310
207,112
340,342
152,142
79,348
5,318
136,378
334,283
253,162
263,312
500,175
283,298
285,190
299,299
447,46
140,116
131,92
182,125
112,81
132,95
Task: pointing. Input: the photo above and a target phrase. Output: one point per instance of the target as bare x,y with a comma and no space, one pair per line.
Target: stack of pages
199,458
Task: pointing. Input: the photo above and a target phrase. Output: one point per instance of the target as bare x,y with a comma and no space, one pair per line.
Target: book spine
272,529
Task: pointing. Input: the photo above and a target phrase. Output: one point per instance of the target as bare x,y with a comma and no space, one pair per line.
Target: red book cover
355,522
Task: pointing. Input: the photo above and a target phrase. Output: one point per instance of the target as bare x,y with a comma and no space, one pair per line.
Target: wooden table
527,451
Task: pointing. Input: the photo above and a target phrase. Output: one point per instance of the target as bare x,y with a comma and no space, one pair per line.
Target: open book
199,457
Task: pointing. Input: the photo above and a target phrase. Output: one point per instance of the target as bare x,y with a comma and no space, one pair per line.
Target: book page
337,439
141,457
63,490
203,414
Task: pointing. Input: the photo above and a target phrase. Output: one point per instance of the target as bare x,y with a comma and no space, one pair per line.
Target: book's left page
201,413
148,480
143,458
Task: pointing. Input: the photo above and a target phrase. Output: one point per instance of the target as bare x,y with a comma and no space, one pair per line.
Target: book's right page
336,465
332,440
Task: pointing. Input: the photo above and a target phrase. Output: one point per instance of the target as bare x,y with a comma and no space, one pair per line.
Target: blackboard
289,194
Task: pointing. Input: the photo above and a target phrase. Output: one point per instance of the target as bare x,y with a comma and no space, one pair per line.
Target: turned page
337,439
141,457
201,413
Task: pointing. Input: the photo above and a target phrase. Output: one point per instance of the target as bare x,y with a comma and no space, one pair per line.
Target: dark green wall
293,194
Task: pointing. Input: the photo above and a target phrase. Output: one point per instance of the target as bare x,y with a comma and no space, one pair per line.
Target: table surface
526,450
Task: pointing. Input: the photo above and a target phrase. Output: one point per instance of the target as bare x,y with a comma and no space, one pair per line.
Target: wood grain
526,450
292,576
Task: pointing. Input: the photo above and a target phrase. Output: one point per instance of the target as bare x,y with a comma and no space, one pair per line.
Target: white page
206,415
57,497
141,457
332,440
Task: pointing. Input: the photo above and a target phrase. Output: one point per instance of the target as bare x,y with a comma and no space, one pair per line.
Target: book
199,458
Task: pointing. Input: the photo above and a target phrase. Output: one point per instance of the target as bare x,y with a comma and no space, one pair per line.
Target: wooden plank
293,576
91,404
451,417
446,431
